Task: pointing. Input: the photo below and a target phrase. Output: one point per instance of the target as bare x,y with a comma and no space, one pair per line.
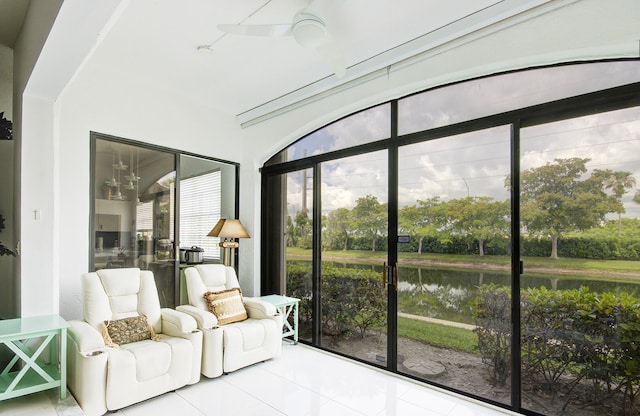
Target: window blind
200,205
144,216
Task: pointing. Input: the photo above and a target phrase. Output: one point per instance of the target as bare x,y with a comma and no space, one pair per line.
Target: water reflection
449,293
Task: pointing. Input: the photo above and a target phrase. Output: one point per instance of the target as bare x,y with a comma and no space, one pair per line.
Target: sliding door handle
395,272
384,274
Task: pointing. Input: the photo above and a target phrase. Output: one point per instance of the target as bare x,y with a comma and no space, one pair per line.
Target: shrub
567,336
353,299
493,328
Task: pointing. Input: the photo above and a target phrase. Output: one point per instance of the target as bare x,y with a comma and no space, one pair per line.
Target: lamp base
228,258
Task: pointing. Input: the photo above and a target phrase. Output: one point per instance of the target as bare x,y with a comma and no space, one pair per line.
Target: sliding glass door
148,202
454,243
354,217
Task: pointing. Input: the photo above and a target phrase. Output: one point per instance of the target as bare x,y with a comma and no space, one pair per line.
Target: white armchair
232,346
105,378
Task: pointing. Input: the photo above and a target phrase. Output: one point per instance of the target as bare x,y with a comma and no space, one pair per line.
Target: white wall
34,176
101,97
96,100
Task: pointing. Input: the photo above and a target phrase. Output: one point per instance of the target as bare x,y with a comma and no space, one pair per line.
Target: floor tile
436,403
278,392
332,408
166,404
217,397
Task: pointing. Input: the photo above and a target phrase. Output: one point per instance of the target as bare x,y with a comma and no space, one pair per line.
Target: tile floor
302,381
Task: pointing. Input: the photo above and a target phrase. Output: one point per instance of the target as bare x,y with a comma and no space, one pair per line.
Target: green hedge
601,248
567,336
353,300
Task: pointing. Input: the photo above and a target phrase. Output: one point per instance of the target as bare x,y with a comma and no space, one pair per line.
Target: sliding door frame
592,103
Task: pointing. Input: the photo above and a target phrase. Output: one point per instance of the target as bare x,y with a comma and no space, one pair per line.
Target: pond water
449,293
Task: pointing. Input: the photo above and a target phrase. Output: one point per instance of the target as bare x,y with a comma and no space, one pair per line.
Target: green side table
34,374
285,305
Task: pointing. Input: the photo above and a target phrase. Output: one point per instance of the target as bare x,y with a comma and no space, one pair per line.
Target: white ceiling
157,41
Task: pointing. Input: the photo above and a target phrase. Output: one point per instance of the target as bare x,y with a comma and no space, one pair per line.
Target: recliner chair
105,378
232,346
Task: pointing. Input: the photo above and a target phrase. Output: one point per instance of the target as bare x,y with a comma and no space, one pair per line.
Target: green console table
27,338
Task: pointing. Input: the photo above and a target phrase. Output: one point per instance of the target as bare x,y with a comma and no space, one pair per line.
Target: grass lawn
438,335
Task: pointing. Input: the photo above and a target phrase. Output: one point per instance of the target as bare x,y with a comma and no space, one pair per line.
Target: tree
302,226
338,227
619,182
422,220
479,217
369,217
555,199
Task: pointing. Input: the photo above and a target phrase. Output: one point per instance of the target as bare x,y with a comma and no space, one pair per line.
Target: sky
476,163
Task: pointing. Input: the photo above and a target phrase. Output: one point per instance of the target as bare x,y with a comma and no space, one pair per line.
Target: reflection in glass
135,211
453,201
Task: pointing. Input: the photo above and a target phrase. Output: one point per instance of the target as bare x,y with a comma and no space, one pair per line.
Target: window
492,247
199,211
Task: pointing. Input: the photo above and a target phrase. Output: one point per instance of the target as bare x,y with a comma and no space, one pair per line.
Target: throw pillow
127,330
226,305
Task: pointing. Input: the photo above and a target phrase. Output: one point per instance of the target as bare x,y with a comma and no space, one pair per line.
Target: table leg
295,323
63,363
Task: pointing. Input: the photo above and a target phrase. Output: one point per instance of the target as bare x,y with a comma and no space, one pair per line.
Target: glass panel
580,299
298,240
207,193
134,212
354,239
364,127
454,262
493,95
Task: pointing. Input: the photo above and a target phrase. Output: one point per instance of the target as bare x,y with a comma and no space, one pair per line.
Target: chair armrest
86,337
205,319
180,323
258,309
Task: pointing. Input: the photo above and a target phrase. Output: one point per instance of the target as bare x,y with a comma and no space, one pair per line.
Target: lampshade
228,229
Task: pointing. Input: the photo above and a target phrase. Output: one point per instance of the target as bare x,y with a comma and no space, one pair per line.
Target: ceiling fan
309,30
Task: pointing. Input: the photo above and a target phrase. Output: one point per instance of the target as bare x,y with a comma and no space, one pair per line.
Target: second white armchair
235,345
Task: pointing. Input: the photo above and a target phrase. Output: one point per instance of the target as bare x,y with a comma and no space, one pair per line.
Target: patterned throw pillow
226,305
127,330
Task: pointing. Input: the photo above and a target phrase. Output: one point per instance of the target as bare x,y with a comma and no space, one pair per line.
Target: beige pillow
127,330
226,305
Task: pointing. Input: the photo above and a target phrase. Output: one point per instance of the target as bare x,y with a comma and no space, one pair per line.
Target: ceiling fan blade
276,31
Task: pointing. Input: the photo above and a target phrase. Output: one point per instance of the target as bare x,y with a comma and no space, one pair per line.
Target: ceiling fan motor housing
309,30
